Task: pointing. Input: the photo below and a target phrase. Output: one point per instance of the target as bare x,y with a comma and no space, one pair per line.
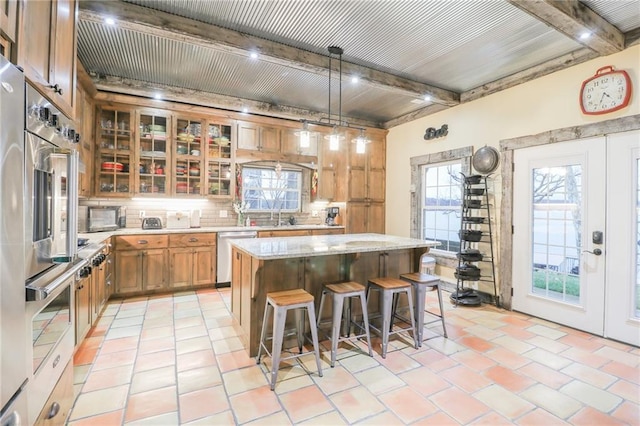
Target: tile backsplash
213,212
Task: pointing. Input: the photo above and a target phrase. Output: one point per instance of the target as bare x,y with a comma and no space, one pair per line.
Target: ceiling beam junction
573,19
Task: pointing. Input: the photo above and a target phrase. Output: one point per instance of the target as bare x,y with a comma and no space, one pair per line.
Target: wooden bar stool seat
282,302
339,292
421,282
390,288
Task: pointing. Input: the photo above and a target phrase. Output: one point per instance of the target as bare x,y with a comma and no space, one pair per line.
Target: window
436,204
442,204
264,189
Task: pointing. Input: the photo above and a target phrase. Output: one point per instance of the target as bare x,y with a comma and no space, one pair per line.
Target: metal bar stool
420,282
282,302
390,288
339,292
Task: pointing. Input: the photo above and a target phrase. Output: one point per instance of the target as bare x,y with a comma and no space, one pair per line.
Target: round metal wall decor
486,160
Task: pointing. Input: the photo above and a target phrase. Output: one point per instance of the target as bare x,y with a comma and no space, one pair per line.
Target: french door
575,238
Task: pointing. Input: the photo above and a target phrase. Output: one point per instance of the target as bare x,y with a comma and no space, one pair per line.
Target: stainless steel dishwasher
224,253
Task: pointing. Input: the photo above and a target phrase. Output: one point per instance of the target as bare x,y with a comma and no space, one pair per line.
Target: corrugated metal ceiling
456,45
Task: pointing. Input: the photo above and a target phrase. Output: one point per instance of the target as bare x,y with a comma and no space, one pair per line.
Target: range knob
85,271
44,114
95,261
77,138
71,135
54,120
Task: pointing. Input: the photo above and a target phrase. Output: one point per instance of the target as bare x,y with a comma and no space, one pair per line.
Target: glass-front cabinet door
188,154
114,152
153,154
219,159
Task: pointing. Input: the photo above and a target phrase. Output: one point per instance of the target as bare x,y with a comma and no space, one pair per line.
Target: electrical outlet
141,214
314,213
223,213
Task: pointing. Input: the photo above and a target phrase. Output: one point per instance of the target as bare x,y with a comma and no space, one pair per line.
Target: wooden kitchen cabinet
47,49
192,259
284,233
367,172
365,217
114,152
153,165
142,263
261,137
220,171
331,173
9,19
85,119
82,302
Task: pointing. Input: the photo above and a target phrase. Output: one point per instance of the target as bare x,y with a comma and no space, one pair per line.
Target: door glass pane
556,236
637,245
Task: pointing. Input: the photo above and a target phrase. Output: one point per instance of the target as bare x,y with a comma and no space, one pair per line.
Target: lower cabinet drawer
141,242
192,240
57,408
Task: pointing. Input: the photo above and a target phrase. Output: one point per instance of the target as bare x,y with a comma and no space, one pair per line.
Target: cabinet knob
53,410
56,89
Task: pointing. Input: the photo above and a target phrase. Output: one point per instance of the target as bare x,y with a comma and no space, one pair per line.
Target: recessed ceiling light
245,110
109,21
427,98
157,96
253,55
585,35
354,79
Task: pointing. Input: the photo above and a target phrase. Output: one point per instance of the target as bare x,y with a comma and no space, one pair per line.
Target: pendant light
361,141
335,137
305,135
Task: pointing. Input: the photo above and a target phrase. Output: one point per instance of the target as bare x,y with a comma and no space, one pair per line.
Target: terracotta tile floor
175,359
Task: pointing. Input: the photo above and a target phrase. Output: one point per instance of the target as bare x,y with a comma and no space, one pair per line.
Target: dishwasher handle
238,234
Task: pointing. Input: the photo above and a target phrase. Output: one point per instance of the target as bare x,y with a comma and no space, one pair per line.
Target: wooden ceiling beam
573,18
122,86
165,25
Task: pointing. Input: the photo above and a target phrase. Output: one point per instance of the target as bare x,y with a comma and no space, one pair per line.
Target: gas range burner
83,242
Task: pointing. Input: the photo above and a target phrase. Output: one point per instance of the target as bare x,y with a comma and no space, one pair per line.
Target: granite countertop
322,245
95,239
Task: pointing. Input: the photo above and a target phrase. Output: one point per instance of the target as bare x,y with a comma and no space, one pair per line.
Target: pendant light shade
361,141
305,135
334,139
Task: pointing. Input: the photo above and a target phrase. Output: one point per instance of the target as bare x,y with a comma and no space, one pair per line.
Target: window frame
299,190
417,164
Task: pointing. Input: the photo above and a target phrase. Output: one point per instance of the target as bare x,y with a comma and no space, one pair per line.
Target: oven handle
72,204
36,293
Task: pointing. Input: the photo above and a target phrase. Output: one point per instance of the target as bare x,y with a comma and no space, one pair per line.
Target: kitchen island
264,265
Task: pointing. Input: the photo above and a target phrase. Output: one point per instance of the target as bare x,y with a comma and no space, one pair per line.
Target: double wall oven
50,247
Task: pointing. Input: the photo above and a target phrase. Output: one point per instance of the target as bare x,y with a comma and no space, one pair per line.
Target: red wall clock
607,91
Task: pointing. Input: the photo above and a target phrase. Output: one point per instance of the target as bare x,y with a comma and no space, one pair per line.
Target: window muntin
264,189
441,204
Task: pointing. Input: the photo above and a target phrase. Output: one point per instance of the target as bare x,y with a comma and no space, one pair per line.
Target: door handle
596,252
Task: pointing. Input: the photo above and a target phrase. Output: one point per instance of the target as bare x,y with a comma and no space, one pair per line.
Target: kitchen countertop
320,245
96,238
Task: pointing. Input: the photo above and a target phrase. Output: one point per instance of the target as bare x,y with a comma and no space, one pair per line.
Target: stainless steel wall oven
50,247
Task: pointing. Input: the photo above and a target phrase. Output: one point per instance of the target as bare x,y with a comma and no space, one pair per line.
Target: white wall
547,103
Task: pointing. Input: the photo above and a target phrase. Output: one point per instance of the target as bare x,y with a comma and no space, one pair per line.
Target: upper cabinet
114,149
9,19
367,172
265,141
153,163
85,127
219,178
259,137
47,49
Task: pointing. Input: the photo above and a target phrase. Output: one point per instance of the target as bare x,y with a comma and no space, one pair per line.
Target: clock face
605,92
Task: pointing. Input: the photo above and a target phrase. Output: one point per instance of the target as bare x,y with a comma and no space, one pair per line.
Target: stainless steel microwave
101,218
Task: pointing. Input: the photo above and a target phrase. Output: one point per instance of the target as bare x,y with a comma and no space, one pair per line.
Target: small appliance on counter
178,219
151,223
101,218
332,213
